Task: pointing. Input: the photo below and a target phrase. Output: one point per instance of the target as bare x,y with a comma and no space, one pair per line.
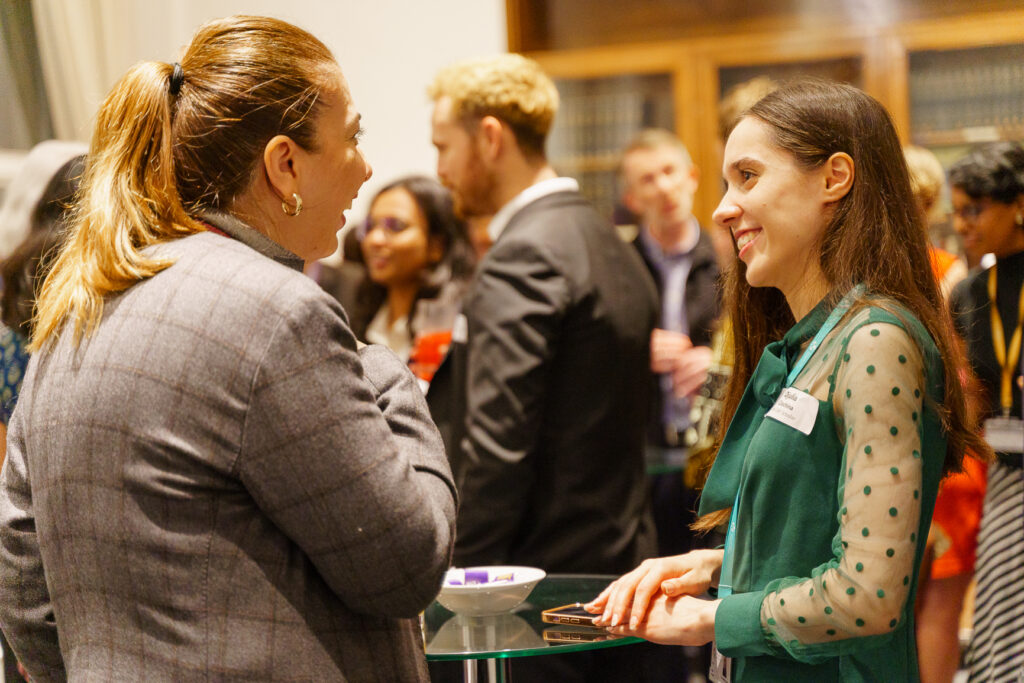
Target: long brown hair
874,237
159,155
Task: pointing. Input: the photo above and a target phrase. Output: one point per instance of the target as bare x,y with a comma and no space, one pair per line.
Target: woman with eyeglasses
418,260
988,307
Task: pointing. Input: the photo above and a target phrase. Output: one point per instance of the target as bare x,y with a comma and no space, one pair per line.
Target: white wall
388,49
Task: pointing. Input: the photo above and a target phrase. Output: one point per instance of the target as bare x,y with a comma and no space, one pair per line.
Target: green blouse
831,526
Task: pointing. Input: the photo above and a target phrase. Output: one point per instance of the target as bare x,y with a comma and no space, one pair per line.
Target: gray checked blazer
216,485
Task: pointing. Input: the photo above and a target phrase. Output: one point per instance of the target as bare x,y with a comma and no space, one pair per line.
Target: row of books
598,117
980,89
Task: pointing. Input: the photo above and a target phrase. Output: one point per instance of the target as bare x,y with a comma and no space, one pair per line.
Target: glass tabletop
520,632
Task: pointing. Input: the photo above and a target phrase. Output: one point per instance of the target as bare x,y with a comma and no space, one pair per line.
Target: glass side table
519,633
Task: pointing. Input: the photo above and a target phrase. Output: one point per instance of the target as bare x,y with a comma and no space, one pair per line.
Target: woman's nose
726,213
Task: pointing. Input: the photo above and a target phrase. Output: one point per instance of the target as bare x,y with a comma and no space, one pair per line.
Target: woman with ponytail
206,478
844,411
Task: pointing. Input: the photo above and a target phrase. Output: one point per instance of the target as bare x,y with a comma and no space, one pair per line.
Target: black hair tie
177,78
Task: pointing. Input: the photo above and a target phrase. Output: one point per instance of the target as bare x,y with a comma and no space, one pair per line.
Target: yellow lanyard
1007,356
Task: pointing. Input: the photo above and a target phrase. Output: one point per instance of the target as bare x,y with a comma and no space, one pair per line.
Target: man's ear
490,133
838,175
279,160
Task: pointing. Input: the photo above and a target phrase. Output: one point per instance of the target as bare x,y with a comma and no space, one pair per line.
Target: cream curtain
81,45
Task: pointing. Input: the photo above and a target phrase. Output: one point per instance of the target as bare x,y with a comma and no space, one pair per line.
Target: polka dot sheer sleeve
876,387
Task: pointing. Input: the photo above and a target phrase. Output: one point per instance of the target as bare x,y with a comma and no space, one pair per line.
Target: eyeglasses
970,212
392,226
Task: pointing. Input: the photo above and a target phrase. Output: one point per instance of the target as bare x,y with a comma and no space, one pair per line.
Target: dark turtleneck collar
250,237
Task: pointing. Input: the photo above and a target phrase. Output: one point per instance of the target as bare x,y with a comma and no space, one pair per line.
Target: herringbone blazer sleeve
28,614
385,497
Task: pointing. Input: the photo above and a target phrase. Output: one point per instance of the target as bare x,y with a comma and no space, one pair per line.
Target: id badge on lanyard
1005,434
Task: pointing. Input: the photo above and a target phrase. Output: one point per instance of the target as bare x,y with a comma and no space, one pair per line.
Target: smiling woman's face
398,256
774,208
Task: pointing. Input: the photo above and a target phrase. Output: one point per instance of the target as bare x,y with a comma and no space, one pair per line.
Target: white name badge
1005,434
460,329
796,409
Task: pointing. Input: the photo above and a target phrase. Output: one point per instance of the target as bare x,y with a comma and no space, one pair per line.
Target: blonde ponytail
158,156
127,203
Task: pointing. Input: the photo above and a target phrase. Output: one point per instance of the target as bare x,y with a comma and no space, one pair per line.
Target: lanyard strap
1007,356
725,576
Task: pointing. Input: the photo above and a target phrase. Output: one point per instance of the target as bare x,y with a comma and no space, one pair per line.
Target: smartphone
573,615
576,635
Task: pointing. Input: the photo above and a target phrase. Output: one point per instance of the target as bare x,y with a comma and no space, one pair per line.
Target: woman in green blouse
844,411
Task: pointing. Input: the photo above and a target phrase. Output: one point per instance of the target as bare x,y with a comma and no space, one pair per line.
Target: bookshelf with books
948,81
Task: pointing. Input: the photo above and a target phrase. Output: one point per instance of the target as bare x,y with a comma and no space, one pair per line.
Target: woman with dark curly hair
418,261
988,212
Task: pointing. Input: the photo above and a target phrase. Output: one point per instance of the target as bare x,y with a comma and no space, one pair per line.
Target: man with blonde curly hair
542,398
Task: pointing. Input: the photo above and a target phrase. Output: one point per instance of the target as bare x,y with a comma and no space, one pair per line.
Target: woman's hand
681,620
630,595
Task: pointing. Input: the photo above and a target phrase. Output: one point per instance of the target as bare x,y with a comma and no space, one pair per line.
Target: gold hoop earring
288,211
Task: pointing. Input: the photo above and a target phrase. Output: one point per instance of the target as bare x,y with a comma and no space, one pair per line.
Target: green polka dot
913,416
811,592
917,393
867,409
875,333
906,580
917,454
894,431
843,511
890,552
867,449
894,470
903,359
845,544
865,532
823,584
871,369
867,490
825,357
771,622
801,620
913,537
917,494
782,601
846,357
851,590
860,566
892,624
828,610
880,593
860,622
847,393
895,391
850,473
893,512
831,631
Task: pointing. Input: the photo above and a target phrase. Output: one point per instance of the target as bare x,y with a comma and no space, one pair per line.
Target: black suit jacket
553,384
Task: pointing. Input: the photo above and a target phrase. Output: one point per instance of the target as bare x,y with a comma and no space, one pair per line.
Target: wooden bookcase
948,81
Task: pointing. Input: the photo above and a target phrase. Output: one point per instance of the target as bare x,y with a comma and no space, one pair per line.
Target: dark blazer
218,486
701,306
553,386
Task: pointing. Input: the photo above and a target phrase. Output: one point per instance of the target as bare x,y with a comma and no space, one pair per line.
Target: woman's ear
279,157
839,174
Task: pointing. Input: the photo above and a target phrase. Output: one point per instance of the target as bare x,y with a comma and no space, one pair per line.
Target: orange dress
958,508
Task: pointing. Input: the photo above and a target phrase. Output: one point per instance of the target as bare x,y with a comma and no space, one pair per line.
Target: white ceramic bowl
491,597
